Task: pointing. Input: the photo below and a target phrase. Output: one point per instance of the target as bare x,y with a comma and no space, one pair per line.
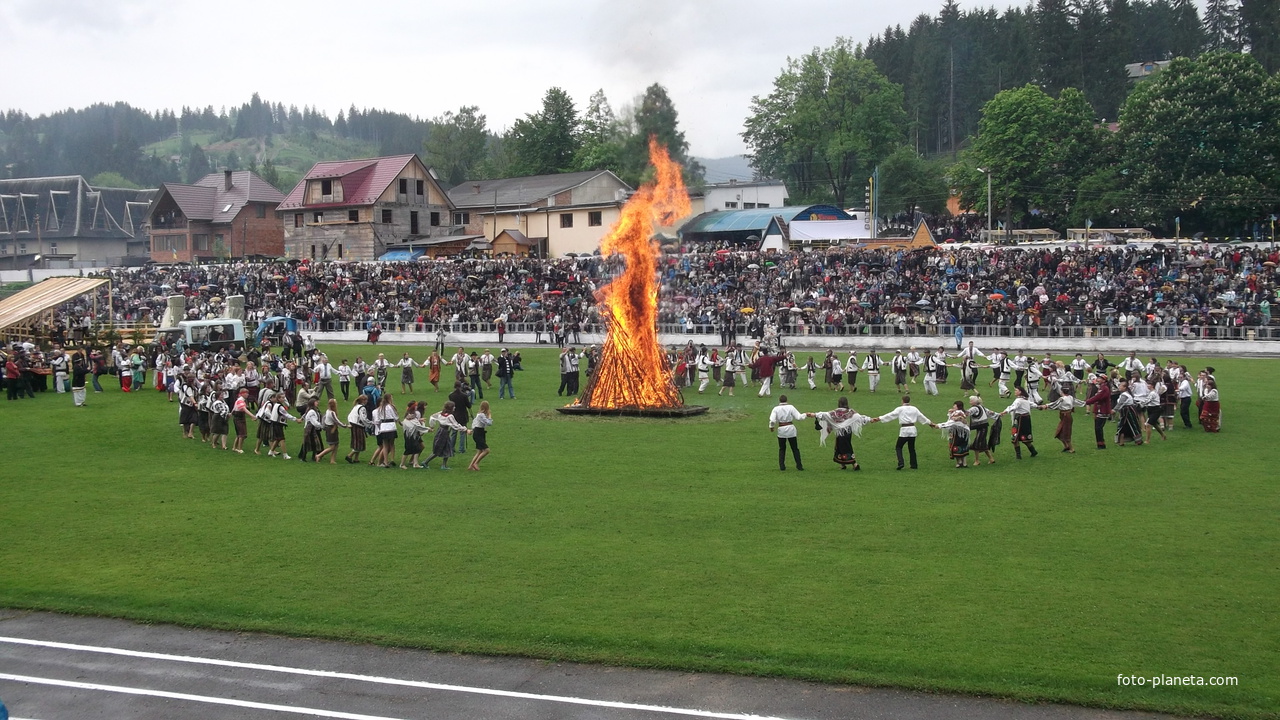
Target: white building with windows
554,214
736,195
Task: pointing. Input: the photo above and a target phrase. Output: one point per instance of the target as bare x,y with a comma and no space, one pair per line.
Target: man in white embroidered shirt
784,418
907,416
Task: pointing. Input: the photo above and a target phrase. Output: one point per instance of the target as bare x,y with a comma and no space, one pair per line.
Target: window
566,220
260,209
421,186
404,186
339,251
435,219
762,205
748,206
317,217
326,187
595,218
53,248
413,222
200,242
386,217
313,252
353,216
731,205
297,220
462,218
22,248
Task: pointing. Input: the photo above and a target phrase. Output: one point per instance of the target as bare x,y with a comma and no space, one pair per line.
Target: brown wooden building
361,209
231,214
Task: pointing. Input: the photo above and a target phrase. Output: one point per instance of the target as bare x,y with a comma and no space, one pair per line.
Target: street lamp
988,174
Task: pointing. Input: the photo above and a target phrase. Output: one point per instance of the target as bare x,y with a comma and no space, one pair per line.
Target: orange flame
633,371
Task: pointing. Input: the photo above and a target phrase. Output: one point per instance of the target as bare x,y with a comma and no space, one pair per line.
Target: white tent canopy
829,230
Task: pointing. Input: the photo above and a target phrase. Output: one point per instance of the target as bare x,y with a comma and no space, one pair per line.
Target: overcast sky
425,57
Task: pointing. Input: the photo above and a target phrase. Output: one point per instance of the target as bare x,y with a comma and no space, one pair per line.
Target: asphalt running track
57,667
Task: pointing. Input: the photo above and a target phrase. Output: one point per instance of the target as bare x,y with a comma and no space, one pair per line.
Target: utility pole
987,172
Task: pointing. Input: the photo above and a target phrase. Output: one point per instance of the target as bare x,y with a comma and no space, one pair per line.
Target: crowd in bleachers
1180,289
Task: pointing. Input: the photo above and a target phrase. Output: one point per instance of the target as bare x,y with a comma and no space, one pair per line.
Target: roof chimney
226,175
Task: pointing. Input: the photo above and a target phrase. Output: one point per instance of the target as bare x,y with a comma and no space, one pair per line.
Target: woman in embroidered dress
844,423
1210,409
957,429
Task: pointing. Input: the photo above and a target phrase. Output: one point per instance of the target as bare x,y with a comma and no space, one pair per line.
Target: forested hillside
951,64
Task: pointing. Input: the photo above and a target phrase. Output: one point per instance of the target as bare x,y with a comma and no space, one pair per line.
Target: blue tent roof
290,325
400,256
758,218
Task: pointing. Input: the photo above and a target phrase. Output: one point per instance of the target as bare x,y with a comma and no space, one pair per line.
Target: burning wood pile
633,376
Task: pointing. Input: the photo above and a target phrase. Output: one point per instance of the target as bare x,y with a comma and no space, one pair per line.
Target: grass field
678,544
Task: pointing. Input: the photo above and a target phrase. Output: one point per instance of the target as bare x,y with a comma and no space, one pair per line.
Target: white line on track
196,698
348,676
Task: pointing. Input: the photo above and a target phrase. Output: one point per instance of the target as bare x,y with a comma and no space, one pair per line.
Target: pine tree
1222,25
1260,25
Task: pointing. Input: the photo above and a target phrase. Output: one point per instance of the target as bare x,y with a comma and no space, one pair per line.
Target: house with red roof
361,209
231,214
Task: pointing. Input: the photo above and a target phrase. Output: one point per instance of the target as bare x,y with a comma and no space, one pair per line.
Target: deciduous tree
1202,141
457,145
545,142
830,118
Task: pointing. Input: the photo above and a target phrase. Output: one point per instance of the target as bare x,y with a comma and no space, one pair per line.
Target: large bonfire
633,372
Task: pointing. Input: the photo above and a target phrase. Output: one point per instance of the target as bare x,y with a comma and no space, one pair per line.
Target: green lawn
678,544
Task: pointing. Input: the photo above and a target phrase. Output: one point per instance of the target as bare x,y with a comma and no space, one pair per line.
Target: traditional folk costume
413,428
480,430
1101,402
914,361
331,424
1128,421
358,421
871,366
219,414
202,412
282,419
1168,389
312,435
1066,406
1079,367
380,371
1210,411
968,373
1004,370
1019,412
844,424
239,416
443,424
900,366
731,370
406,371
1020,364
984,429
188,415
1032,380
958,435
932,366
